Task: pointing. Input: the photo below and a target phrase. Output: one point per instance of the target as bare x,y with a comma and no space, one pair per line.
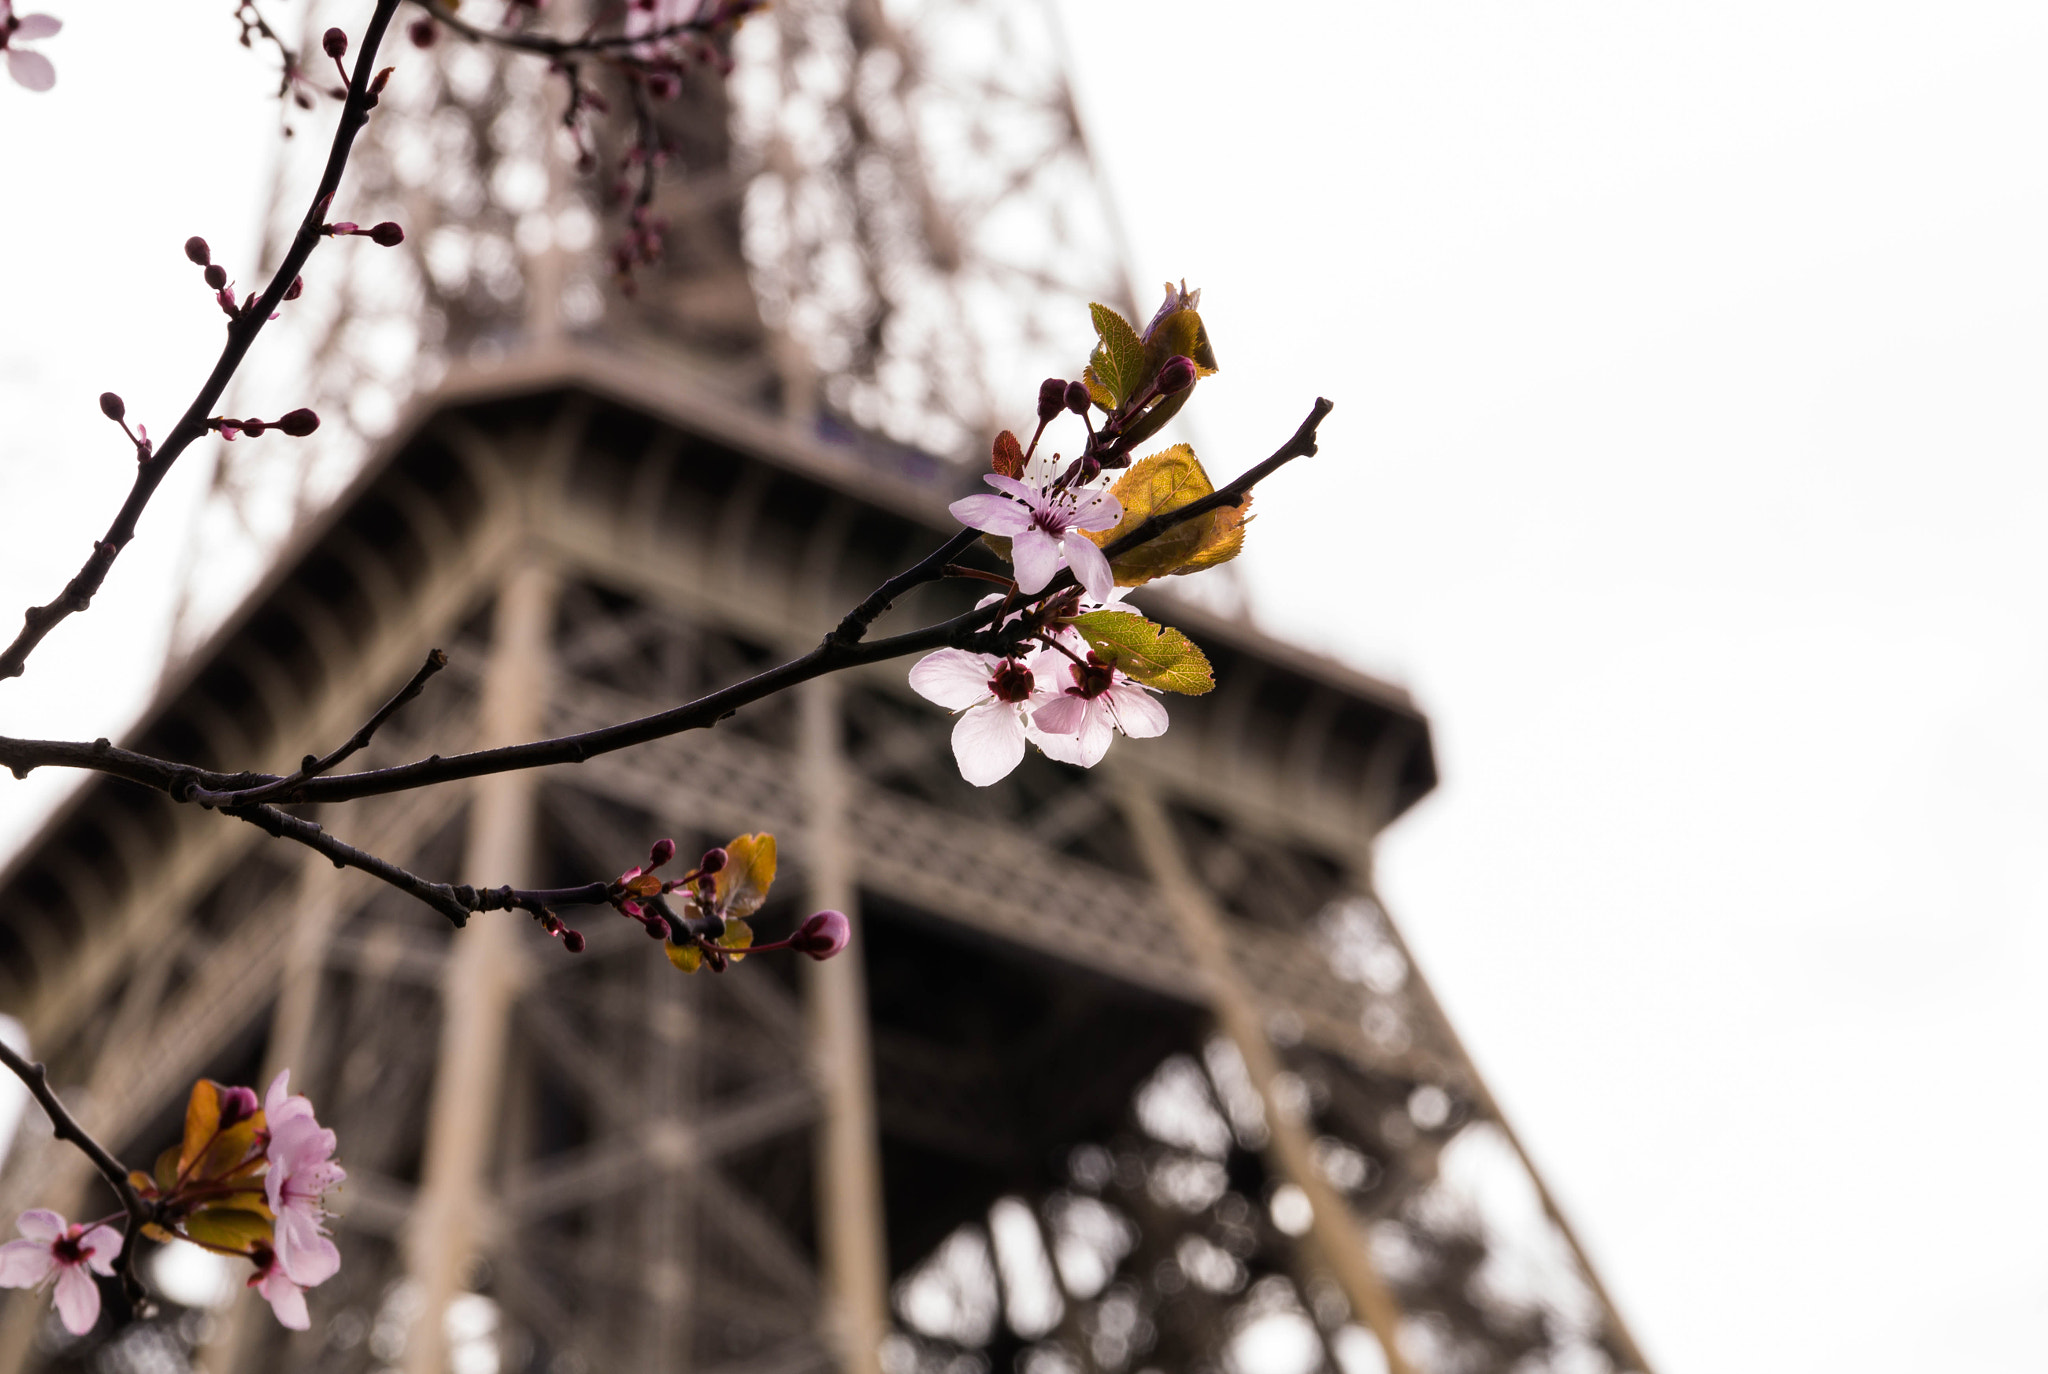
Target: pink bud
572,940
298,423
1177,375
387,235
823,935
334,43
112,406
216,276
236,1104
663,851
196,249
342,226
1077,398
713,860
1052,396
253,428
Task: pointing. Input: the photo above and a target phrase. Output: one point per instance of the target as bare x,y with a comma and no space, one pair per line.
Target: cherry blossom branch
971,629
36,1078
242,331
313,767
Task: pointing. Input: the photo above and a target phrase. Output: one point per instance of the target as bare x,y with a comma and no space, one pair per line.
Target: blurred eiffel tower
1127,1070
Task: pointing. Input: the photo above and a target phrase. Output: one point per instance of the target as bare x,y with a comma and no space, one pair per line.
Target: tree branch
140,1213
545,46
242,331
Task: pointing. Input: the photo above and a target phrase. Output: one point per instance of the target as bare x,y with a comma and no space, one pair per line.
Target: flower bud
253,427
1077,398
196,249
291,293
1052,394
334,43
572,940
216,276
823,935
1177,375
713,860
389,235
423,33
113,407
298,423
663,851
236,1104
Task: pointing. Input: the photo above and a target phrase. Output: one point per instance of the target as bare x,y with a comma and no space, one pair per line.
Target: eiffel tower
1127,1069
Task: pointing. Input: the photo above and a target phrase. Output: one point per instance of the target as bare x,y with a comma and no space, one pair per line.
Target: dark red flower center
1012,681
68,1250
1092,679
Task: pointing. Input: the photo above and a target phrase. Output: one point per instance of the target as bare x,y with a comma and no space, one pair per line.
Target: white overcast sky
1687,466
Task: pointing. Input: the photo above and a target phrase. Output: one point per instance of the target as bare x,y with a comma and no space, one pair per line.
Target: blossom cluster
706,926
248,1179
1074,666
28,67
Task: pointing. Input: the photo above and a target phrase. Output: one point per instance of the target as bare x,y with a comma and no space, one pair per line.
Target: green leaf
228,1229
1156,655
1116,369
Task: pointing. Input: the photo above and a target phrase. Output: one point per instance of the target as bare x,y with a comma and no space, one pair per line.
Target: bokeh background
1687,465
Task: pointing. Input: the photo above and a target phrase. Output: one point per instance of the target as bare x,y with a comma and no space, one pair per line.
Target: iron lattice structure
1123,1063
1127,1070
885,220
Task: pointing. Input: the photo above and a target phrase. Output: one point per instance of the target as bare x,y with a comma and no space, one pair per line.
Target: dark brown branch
972,628
140,1213
242,331
312,767
854,627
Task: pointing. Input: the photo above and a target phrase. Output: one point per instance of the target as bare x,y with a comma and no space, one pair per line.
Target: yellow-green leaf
748,873
167,1165
1180,334
228,1152
1157,485
228,1229
202,1120
1156,655
739,936
688,958
1116,368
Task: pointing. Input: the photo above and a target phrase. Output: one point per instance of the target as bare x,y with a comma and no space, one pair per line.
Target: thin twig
546,46
140,1213
312,767
242,331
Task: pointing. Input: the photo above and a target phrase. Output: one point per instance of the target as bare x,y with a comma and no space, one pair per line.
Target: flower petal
78,1299
33,70
1010,486
1091,569
1096,511
308,1258
25,1263
1036,558
105,1244
34,26
952,678
1139,714
286,1300
40,1223
1061,716
995,514
1092,740
988,742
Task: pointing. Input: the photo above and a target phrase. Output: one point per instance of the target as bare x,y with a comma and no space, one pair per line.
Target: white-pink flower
30,69
995,697
302,1170
1044,528
1095,701
287,1300
73,1254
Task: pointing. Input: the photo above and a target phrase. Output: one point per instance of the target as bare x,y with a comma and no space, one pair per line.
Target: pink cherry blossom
995,697
1098,701
1044,528
72,1253
29,69
302,1170
287,1300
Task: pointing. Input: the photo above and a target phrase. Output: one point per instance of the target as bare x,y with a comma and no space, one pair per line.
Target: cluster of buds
201,256
640,243
250,1178
297,423
729,884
